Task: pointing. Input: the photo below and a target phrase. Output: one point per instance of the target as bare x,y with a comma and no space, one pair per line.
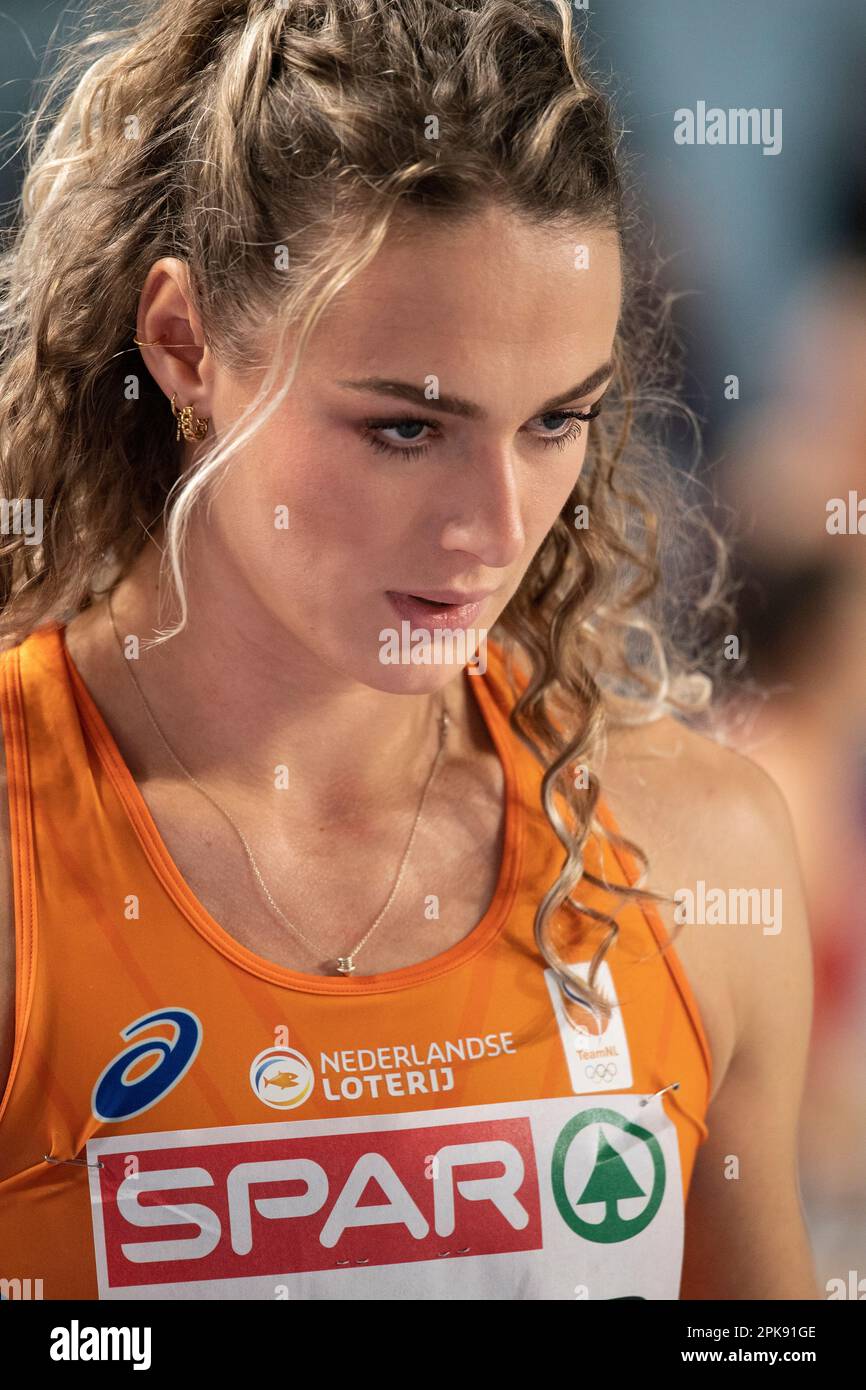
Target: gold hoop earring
190,425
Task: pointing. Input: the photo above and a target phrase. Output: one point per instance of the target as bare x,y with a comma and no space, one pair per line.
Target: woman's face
425,445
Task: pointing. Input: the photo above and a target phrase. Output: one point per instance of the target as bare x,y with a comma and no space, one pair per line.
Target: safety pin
82,1161
674,1086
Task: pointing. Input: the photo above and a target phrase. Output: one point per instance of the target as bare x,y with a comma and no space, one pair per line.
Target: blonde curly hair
270,146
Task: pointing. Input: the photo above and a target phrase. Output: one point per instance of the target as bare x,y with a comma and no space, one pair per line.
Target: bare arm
745,1231
7,933
701,811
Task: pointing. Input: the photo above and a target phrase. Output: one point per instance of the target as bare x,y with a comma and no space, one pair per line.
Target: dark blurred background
768,253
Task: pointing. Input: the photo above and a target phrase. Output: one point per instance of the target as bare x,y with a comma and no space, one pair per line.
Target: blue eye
411,422
404,422
574,417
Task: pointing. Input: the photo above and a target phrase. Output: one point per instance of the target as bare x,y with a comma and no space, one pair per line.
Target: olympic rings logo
600,1071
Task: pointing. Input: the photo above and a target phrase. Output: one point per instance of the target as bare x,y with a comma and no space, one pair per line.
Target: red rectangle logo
289,1205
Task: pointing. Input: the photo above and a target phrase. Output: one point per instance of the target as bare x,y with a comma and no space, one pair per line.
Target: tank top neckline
138,814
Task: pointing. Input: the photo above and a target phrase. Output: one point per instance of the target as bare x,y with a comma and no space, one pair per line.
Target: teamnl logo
438,646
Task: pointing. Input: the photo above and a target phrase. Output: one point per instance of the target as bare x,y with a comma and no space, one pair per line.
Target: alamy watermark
11,1289
421,646
846,517
77,1343
737,126
16,518
731,906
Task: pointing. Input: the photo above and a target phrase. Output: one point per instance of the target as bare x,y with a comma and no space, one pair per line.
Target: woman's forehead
449,297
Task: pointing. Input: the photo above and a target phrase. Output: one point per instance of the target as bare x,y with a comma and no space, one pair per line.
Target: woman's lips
421,612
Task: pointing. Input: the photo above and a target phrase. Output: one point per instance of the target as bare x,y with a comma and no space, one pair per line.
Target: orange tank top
185,1118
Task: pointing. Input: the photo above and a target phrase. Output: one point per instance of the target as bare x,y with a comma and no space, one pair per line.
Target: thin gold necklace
345,965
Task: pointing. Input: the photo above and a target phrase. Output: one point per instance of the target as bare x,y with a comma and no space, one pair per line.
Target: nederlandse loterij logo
151,1066
282,1077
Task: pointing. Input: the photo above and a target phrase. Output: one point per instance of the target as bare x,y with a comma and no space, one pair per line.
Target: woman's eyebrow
458,405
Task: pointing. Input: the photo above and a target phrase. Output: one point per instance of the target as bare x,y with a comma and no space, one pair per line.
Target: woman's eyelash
557,441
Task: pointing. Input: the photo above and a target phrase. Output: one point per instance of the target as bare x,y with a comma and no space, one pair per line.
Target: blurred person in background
767,264
791,472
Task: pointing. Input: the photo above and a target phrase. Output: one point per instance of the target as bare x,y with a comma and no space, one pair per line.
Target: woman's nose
484,510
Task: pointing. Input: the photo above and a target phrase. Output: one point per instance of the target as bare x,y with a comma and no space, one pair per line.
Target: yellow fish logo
283,1079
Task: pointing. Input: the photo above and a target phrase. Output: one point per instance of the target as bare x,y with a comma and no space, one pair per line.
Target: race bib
564,1198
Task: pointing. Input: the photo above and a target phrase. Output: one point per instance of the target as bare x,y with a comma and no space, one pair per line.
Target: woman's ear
172,333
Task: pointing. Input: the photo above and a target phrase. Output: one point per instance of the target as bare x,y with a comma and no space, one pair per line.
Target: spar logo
282,1077
615,1199
265,1201
162,1049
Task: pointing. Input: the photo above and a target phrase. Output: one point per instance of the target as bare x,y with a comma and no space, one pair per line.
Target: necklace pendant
345,965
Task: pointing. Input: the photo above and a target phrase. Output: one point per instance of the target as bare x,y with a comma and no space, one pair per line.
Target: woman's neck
237,698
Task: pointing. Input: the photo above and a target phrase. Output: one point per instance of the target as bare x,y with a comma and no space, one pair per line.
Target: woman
294,852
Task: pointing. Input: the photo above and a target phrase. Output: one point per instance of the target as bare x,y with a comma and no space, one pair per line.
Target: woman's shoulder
700,805
690,787
718,835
